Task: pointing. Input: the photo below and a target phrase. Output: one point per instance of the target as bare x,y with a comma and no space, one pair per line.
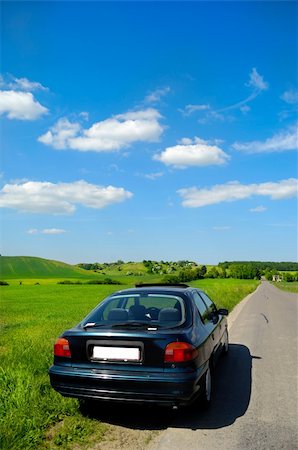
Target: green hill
32,267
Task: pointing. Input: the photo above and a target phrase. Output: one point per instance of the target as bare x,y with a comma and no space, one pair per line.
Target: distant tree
212,273
119,262
223,272
269,275
245,271
288,277
170,279
199,272
203,270
264,265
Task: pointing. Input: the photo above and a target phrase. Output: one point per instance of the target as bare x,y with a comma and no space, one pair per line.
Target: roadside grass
32,317
33,415
289,287
121,278
226,293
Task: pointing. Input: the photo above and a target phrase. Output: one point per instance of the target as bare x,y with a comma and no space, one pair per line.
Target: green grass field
289,287
29,270
33,415
28,267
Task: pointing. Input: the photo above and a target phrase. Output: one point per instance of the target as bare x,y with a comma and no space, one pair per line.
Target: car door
211,343
215,319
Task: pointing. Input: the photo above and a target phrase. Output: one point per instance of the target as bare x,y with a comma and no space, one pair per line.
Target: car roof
157,288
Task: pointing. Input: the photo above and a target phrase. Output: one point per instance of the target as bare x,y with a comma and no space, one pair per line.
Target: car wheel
226,344
207,388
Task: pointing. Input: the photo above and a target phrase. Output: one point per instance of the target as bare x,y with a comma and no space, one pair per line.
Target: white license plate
116,353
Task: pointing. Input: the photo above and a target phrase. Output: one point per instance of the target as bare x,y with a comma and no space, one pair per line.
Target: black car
155,344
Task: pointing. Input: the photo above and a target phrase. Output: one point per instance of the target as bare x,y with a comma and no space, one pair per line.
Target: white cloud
20,84
290,97
221,228
53,231
257,81
196,198
190,109
156,96
20,105
59,135
26,85
16,100
153,176
196,152
149,176
256,84
279,142
61,198
46,231
112,134
84,115
258,209
185,141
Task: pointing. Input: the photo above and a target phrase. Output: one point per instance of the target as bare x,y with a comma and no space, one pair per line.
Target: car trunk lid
120,350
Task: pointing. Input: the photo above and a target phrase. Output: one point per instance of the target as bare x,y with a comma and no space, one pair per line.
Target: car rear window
160,310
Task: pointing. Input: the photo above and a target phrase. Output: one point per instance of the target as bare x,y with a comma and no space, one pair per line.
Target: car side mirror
223,311
213,317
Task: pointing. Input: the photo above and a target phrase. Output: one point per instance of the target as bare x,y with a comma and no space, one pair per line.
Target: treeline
272,271
167,267
289,277
184,270
248,271
263,265
100,266
196,273
243,271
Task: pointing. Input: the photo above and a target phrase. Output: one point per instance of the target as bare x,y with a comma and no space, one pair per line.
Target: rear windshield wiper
94,325
122,325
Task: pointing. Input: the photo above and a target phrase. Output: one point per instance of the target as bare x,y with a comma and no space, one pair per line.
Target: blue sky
149,130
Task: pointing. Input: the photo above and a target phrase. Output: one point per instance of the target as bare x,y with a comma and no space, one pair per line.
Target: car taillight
61,348
180,352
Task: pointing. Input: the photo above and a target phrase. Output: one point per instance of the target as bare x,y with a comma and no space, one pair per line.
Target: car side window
202,308
210,305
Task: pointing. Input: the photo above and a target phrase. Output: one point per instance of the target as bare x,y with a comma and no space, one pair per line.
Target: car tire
206,394
225,350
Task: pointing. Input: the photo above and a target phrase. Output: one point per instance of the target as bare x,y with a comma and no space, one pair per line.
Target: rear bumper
171,389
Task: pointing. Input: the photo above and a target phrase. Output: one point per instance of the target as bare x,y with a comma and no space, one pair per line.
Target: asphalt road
255,402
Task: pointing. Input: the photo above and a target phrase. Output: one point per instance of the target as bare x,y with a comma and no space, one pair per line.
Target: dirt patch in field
105,427
121,438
